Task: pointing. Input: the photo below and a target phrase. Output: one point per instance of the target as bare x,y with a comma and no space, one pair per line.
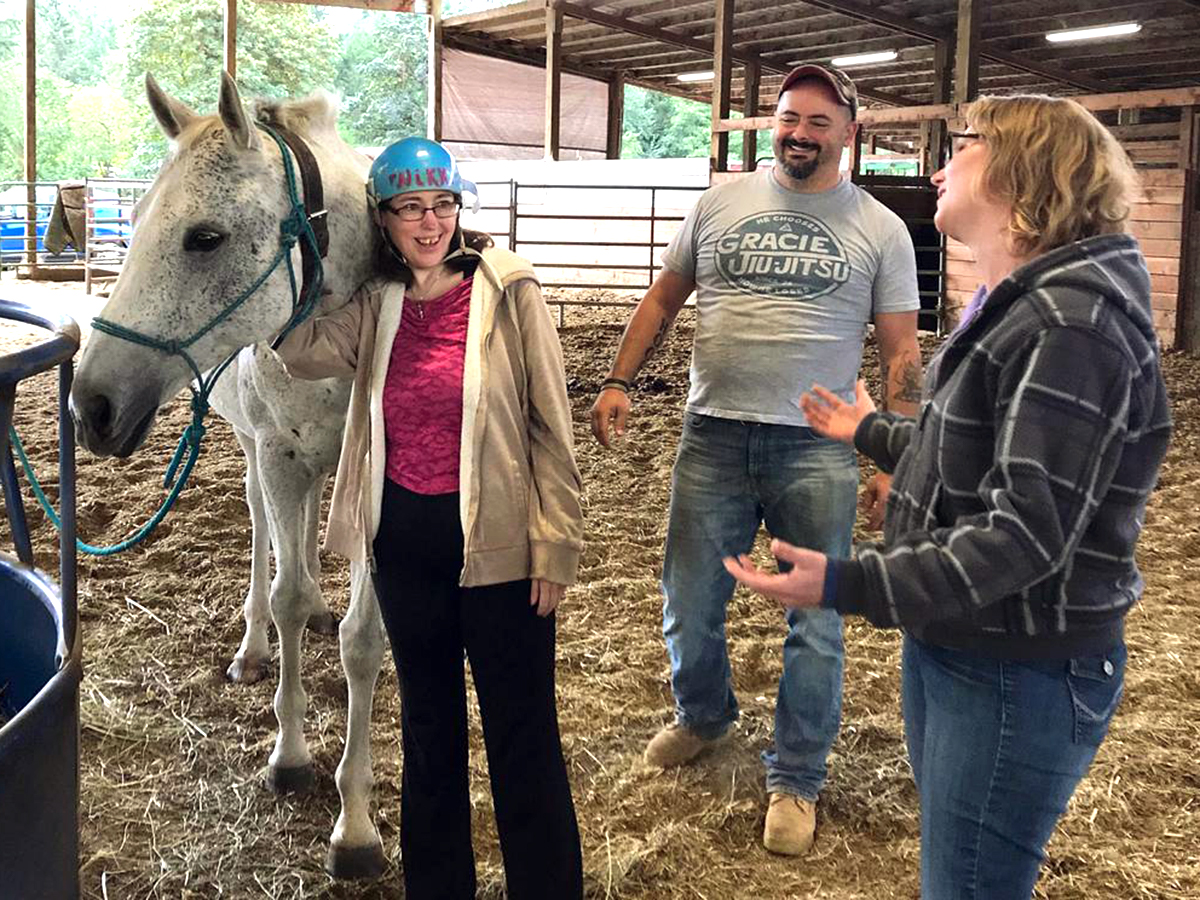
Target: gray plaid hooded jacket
1020,490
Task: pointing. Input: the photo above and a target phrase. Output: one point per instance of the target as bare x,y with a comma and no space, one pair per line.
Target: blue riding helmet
415,164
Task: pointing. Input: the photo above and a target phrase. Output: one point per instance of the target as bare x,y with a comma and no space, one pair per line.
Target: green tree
283,50
74,38
658,125
382,79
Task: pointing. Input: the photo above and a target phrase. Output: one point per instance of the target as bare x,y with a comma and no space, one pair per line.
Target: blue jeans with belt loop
997,749
729,477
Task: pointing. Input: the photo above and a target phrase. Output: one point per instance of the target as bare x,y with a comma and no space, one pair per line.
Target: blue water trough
40,651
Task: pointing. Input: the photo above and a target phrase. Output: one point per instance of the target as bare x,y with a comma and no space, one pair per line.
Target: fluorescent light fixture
1087,34
863,59
697,76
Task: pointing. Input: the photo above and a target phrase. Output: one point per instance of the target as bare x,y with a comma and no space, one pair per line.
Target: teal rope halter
293,228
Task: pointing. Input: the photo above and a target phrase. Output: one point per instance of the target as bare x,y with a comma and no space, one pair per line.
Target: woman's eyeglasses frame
443,209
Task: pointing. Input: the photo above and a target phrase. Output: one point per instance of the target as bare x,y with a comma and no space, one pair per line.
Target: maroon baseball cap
843,87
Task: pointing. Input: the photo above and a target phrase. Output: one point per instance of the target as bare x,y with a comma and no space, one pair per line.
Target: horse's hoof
323,623
355,863
296,780
246,671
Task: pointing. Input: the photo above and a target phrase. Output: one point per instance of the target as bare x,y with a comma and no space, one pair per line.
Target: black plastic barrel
40,654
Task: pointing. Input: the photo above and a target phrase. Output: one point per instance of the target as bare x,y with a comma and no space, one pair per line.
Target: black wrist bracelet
619,383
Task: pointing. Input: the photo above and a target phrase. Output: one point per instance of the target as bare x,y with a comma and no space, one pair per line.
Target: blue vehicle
110,223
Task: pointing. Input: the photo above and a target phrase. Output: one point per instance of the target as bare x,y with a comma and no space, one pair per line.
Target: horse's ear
173,115
233,114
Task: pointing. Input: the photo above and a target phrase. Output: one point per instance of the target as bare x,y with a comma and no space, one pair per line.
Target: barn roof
651,42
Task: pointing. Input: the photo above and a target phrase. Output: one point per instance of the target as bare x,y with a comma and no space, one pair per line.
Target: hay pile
173,802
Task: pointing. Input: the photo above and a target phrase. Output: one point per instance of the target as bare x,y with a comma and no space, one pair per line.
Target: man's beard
802,170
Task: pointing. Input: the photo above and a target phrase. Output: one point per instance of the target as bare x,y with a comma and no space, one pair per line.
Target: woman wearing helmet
457,483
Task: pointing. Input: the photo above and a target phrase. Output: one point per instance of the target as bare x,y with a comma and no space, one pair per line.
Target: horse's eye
202,240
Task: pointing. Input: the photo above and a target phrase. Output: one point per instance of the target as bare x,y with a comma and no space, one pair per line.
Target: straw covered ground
174,803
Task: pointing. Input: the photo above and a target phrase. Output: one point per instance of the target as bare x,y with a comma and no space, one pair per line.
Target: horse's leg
286,483
254,655
355,850
322,620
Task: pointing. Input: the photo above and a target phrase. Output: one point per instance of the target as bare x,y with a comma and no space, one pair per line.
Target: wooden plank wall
1156,221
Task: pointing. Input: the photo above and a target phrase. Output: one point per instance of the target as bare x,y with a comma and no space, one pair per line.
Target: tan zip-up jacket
519,496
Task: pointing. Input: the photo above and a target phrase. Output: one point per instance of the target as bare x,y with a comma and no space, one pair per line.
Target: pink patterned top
422,395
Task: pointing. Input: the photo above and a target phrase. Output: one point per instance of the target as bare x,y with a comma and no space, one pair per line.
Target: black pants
431,621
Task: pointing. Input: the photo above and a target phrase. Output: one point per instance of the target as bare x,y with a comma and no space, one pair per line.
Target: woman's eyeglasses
961,140
414,212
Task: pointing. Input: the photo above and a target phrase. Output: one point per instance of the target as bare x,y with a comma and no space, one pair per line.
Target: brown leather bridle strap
314,203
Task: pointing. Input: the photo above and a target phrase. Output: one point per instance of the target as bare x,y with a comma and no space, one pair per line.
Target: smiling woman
464,497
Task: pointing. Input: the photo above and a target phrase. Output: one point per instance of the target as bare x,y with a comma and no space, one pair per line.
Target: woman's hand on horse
831,416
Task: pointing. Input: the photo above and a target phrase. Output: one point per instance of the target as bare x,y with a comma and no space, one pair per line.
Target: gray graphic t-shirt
785,286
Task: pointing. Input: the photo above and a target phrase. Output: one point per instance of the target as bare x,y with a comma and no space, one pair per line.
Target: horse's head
207,229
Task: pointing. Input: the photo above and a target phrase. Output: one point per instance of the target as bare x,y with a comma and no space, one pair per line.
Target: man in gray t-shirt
788,265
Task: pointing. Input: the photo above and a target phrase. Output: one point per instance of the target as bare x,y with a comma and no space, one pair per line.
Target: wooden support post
933,132
433,110
31,135
554,23
1189,138
966,52
752,76
722,81
231,38
616,115
1187,313
856,148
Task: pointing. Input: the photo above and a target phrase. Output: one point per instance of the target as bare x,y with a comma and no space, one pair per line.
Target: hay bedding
173,802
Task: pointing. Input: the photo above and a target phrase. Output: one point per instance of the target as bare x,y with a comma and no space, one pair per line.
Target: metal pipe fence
109,204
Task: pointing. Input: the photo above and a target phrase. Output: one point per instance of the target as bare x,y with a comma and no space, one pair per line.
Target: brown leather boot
791,825
675,745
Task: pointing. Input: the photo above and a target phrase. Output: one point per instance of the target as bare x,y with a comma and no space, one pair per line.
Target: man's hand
545,595
799,588
873,501
609,414
831,416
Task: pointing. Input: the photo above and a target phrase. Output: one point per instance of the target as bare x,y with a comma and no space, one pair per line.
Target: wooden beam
750,82
434,97
31,133
616,116
966,52
536,57
933,132
930,33
722,79
1187,310
1189,140
659,35
1188,96
865,117
865,13
231,38
856,154
530,10
554,22
1054,73
376,5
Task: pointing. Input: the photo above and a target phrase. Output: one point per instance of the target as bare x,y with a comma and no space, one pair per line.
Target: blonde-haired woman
1017,497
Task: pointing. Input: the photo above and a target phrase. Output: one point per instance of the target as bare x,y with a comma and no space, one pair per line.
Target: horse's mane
306,115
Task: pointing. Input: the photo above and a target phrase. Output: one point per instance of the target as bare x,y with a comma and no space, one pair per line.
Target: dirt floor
174,803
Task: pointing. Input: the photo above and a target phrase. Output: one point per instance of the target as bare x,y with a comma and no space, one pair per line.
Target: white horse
206,230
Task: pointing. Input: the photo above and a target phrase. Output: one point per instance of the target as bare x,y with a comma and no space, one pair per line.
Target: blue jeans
997,749
729,477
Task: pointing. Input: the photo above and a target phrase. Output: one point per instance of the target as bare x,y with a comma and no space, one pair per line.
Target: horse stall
40,648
